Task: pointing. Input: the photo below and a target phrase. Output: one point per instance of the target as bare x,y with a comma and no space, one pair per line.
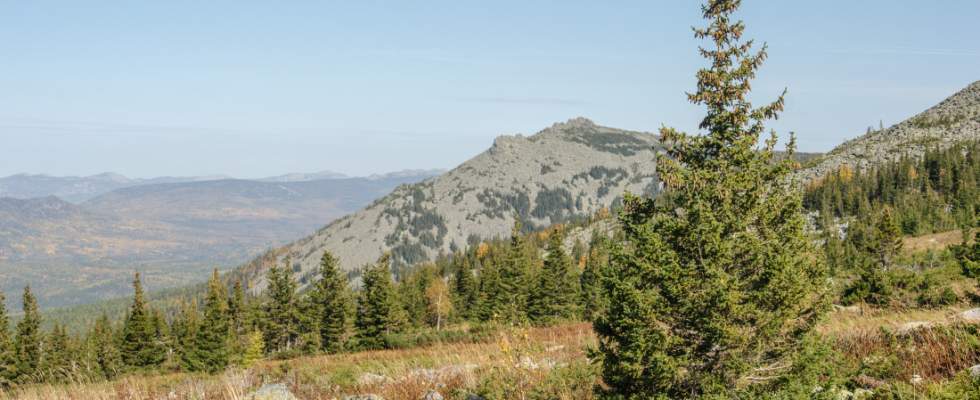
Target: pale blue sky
254,88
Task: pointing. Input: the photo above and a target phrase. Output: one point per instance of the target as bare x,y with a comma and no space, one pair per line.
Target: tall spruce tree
555,295
139,347
716,284
27,343
515,279
281,322
211,342
888,238
8,371
466,291
493,298
332,298
184,332
57,355
596,263
378,306
106,357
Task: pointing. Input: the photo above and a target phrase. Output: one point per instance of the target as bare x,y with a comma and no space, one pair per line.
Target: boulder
432,395
975,371
369,379
368,396
913,326
276,391
972,315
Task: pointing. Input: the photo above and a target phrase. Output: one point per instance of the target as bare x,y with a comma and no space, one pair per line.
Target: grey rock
954,120
571,169
368,396
972,315
975,371
369,379
275,391
432,395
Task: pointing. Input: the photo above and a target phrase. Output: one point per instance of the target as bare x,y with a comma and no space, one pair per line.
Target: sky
258,88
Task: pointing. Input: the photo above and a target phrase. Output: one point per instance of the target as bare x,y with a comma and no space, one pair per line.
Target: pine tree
106,354
8,371
595,267
716,283
236,310
555,295
377,308
184,331
27,343
57,355
253,349
139,347
281,322
332,297
211,341
493,297
465,288
515,274
888,239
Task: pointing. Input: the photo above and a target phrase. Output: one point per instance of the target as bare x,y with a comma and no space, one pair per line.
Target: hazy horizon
254,90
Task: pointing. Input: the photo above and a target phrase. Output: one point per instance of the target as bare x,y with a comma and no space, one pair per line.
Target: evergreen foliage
27,343
378,306
716,284
332,298
139,347
596,264
555,295
210,351
932,193
466,290
8,360
281,311
105,355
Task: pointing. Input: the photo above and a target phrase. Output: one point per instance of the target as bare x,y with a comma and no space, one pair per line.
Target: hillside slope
569,170
173,232
953,120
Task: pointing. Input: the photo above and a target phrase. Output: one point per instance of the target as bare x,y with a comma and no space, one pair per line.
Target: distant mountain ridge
77,189
174,232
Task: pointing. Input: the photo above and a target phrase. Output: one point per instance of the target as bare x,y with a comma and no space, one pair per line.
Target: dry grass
523,357
935,241
528,363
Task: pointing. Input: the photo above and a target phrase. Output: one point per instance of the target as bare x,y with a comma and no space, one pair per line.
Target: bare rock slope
568,170
954,120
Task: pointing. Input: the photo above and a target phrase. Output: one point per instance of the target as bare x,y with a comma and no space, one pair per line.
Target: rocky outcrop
569,170
954,120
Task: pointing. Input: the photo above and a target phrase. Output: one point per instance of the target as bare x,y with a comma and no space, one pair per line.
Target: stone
972,315
432,395
975,371
913,326
275,391
368,396
369,379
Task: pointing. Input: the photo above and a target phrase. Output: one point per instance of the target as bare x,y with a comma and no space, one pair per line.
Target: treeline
932,193
864,214
529,278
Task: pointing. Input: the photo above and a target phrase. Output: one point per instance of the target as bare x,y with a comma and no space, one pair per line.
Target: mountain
173,232
569,170
953,120
304,177
76,189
